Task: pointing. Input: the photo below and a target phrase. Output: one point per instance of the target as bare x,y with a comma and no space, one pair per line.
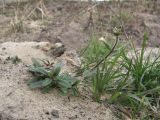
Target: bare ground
18,102
70,22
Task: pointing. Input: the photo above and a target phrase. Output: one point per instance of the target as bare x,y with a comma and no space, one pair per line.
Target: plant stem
107,55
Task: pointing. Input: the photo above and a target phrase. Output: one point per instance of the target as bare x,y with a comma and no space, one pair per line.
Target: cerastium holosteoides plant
47,78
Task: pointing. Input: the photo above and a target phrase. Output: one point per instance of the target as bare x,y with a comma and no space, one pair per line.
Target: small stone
9,94
59,8
46,47
73,117
3,48
75,107
55,113
47,113
57,52
57,45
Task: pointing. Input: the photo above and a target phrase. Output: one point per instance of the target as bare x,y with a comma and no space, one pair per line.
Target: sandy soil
18,102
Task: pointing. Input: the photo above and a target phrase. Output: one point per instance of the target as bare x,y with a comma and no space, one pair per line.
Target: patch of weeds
16,11
47,78
16,26
140,91
129,81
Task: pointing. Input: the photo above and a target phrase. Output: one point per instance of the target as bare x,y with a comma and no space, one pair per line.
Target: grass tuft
129,81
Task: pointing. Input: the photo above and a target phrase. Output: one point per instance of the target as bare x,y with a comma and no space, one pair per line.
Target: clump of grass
101,69
16,26
102,76
47,78
130,81
17,23
140,91
94,51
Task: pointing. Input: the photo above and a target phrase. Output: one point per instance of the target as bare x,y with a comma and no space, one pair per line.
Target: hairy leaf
39,70
40,84
56,70
36,63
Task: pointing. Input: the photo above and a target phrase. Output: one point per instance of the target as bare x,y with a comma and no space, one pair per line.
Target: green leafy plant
47,78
